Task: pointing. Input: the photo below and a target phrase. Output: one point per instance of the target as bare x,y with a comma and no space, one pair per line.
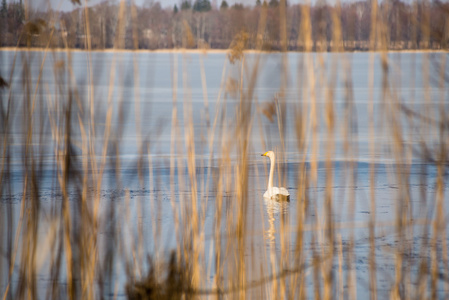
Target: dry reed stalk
173,135
330,121
154,217
350,152
374,37
442,168
16,244
220,192
194,247
340,269
310,114
301,130
281,114
205,164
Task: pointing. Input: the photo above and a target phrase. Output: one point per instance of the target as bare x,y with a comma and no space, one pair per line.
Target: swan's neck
270,179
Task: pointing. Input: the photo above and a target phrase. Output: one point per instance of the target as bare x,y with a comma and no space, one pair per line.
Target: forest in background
202,24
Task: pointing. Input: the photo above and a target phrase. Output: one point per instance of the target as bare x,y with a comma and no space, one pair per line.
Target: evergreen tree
175,9
202,5
224,4
4,9
185,5
21,12
274,3
258,3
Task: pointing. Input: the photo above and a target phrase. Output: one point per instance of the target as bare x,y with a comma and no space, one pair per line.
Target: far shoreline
203,51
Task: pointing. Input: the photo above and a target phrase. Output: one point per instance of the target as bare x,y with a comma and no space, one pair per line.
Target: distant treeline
205,24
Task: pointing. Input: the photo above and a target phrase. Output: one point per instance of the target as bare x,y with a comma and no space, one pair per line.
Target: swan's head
270,154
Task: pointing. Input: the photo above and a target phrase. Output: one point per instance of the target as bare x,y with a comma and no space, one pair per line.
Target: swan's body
273,192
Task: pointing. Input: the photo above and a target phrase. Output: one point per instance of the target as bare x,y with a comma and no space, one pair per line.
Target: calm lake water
153,80
147,87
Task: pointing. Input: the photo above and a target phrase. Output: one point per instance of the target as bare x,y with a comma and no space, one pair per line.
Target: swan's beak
265,154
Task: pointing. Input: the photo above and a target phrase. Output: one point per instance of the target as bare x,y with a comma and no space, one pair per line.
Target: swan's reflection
274,210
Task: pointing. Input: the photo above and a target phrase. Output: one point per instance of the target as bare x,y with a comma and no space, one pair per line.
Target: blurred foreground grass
63,240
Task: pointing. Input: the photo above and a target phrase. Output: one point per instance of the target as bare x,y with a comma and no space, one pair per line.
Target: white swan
274,193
